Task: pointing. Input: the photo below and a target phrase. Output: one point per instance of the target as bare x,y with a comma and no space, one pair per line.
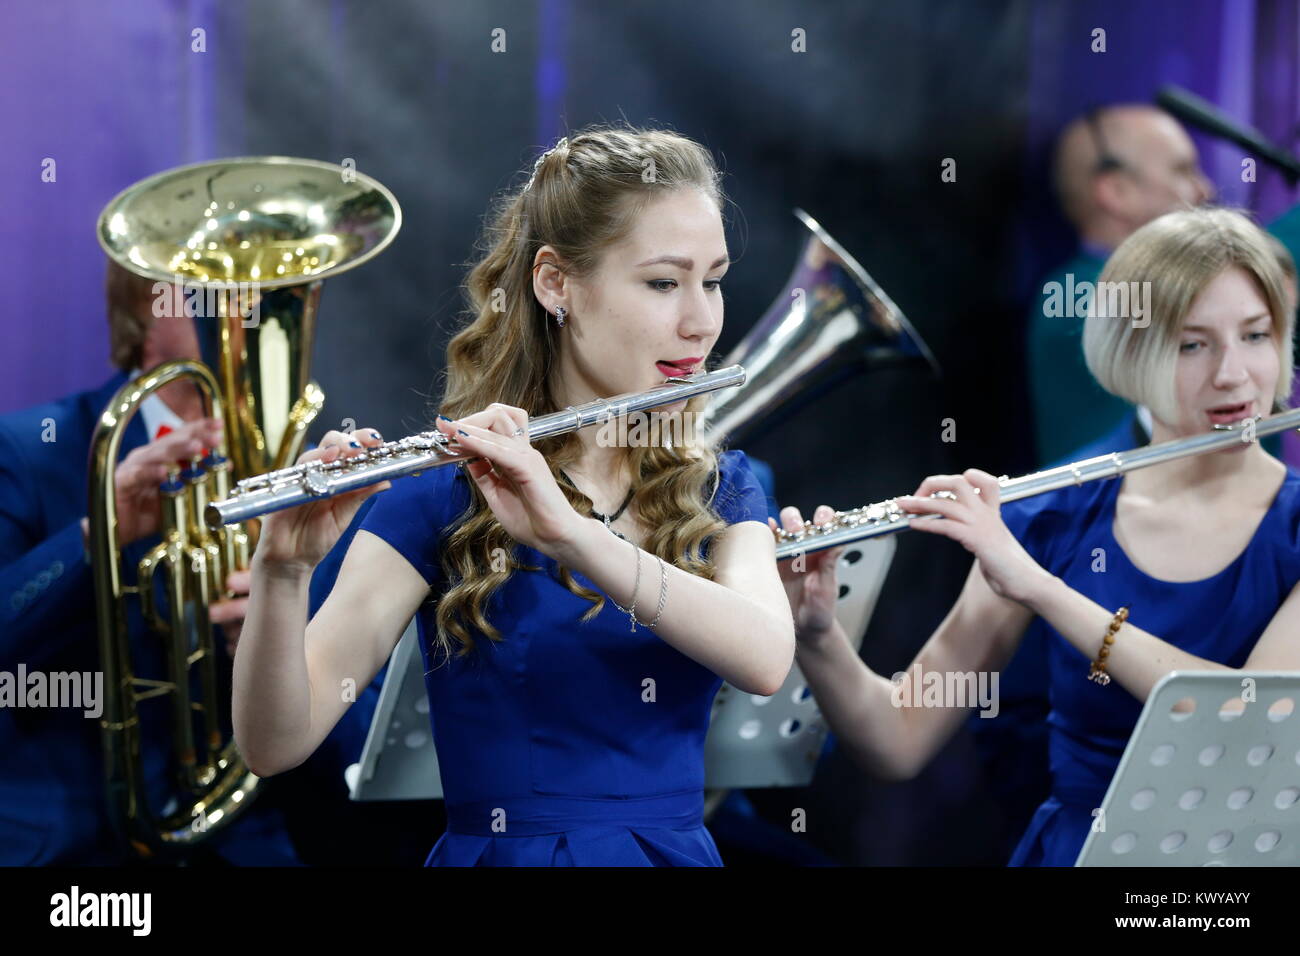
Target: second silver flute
313,480
886,517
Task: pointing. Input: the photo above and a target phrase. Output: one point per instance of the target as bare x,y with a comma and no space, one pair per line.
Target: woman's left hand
975,521
514,477
809,580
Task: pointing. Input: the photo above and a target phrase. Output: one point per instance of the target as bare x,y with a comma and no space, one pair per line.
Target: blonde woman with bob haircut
579,603
1187,565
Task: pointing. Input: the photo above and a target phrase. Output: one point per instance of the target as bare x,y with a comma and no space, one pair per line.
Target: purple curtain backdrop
110,93
113,92
1241,55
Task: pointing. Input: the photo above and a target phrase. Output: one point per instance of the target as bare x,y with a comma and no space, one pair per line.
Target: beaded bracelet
1097,672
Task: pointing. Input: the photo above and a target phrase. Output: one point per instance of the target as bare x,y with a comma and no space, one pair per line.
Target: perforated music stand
1217,785
775,741
753,741
399,761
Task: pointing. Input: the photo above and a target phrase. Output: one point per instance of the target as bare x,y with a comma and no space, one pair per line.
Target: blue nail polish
443,418
461,431
355,444
375,435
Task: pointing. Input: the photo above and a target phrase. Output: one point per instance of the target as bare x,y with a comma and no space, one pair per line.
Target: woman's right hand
809,580
298,538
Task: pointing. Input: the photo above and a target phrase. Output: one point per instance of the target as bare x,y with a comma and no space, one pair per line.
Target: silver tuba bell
832,321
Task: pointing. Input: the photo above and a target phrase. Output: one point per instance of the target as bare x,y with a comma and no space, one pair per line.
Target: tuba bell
831,322
243,246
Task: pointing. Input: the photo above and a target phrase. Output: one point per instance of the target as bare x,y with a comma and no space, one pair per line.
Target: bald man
1115,169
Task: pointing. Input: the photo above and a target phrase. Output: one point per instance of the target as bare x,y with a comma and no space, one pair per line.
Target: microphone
1190,108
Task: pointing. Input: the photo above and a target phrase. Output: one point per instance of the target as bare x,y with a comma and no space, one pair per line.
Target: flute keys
314,481
875,514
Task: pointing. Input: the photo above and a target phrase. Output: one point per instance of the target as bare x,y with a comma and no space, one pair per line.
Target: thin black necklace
604,517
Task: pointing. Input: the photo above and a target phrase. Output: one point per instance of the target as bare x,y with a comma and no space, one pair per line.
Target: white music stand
1217,785
753,741
399,761
775,741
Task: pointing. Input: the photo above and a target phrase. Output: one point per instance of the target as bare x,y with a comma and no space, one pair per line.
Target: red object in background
167,430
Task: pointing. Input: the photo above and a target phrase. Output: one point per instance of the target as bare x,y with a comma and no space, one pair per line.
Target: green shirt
1070,408
1287,229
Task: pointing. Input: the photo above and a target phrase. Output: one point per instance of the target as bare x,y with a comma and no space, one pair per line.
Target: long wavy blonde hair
583,196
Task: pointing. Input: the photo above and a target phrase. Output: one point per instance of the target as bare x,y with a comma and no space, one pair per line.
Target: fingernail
354,444
375,435
461,431
443,418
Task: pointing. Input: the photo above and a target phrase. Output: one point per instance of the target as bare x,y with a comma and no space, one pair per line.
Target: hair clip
563,141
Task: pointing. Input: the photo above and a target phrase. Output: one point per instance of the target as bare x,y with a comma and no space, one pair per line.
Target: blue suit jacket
52,800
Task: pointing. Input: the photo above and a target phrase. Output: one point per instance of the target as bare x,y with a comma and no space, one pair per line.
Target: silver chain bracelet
663,593
630,611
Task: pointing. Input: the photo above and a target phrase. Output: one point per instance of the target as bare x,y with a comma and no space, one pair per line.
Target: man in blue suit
53,807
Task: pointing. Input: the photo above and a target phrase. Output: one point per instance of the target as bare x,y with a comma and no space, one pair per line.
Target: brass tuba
832,321
243,245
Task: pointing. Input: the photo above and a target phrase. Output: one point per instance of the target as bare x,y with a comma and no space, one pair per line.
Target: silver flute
886,517
314,480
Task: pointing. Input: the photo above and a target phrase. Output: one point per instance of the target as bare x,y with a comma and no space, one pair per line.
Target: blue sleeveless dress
1220,618
565,744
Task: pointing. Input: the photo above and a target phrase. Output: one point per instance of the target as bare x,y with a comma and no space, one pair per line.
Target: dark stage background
854,130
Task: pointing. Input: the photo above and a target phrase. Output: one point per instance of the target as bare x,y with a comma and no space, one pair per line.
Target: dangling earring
560,313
